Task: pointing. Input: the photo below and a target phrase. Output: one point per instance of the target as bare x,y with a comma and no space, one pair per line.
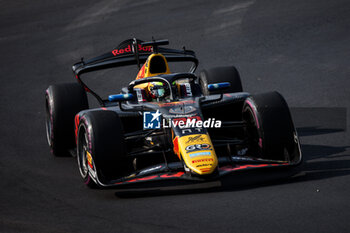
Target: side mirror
218,86
120,97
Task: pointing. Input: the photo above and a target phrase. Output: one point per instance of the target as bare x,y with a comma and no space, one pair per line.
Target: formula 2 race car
166,126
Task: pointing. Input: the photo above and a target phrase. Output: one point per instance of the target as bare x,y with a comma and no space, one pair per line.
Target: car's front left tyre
63,102
270,127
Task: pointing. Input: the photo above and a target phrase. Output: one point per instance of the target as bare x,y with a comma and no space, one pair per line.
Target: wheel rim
82,149
203,84
48,124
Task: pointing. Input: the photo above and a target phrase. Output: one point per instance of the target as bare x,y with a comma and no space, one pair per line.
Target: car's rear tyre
63,102
218,75
100,137
270,128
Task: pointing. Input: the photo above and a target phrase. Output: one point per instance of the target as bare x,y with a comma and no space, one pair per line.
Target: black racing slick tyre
270,128
101,150
219,75
63,102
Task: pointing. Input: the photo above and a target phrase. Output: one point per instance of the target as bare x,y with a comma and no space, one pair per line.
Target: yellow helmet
156,90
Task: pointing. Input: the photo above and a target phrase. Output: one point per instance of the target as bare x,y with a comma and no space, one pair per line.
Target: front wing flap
162,173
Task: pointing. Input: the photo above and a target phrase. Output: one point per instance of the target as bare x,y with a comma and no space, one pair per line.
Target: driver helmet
156,90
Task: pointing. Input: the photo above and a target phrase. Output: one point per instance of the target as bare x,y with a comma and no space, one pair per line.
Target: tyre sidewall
63,102
105,143
274,124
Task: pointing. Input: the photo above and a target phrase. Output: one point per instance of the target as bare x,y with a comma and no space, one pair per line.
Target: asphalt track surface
299,48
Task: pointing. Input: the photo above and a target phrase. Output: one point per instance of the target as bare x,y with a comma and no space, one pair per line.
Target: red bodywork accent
230,168
141,73
144,178
85,87
176,146
180,174
205,169
148,178
184,119
76,120
172,175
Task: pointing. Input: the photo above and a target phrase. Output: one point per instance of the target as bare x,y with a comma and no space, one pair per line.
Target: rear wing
131,52
134,52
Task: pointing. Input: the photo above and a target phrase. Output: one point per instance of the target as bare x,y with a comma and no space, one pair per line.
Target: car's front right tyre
101,151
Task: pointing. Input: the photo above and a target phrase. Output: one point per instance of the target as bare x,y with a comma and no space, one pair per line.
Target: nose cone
198,153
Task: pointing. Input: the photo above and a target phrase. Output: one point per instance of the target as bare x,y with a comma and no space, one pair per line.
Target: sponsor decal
238,158
129,48
191,131
202,160
182,110
197,147
151,120
194,138
150,170
188,89
204,165
200,154
139,95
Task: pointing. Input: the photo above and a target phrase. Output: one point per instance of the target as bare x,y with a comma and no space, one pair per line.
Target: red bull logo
128,49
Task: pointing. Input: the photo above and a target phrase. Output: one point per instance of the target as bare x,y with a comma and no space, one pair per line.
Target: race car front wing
176,171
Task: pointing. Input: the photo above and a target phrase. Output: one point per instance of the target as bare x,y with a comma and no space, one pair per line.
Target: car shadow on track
316,130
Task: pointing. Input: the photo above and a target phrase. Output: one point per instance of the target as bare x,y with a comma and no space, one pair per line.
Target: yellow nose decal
198,153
